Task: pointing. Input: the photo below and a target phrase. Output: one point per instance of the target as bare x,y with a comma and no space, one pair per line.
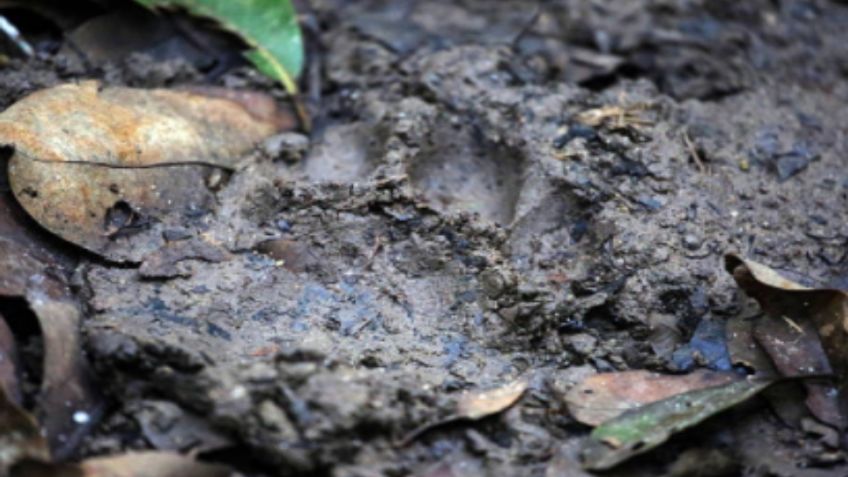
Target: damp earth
453,223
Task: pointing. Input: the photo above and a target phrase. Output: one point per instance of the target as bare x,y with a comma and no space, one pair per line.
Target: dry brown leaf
780,297
796,314
602,397
479,404
20,437
9,382
100,166
796,350
474,405
30,268
68,404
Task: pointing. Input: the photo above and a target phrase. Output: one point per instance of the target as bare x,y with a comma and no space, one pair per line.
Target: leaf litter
642,429
33,270
474,405
605,396
109,169
636,411
805,331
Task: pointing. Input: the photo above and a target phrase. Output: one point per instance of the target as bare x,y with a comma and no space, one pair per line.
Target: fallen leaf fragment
795,350
102,167
136,464
20,436
472,406
806,332
606,396
9,382
67,405
778,296
479,404
640,430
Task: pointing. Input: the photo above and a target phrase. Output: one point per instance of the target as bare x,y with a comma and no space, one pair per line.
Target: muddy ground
450,226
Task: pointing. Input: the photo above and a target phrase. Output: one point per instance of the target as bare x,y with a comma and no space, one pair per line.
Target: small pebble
691,242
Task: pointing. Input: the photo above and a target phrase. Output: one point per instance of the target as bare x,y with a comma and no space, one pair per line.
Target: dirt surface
450,225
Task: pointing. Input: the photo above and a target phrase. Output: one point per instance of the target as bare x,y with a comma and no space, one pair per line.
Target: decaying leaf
796,314
9,382
606,396
30,269
474,405
269,27
107,168
479,404
795,350
781,297
744,350
68,404
20,436
138,464
640,430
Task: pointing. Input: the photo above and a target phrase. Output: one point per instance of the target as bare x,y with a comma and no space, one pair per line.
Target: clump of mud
451,226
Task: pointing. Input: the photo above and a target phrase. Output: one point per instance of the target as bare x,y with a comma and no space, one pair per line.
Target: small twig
300,109
693,152
792,324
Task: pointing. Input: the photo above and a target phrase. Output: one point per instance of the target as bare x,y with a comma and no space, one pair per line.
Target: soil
449,225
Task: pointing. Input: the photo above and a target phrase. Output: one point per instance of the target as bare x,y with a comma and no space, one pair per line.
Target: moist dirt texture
457,221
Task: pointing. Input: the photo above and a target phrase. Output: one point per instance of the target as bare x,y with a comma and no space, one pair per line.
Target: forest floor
454,223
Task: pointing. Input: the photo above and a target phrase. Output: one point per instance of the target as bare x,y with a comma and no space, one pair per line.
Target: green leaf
269,27
644,428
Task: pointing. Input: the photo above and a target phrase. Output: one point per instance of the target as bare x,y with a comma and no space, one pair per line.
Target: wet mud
451,225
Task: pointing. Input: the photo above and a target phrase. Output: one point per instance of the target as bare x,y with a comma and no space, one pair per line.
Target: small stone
493,283
283,225
691,242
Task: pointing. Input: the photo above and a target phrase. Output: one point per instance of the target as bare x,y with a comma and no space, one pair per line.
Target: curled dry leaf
140,464
479,404
20,436
796,350
806,332
9,383
474,405
68,403
101,167
640,430
31,269
606,396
